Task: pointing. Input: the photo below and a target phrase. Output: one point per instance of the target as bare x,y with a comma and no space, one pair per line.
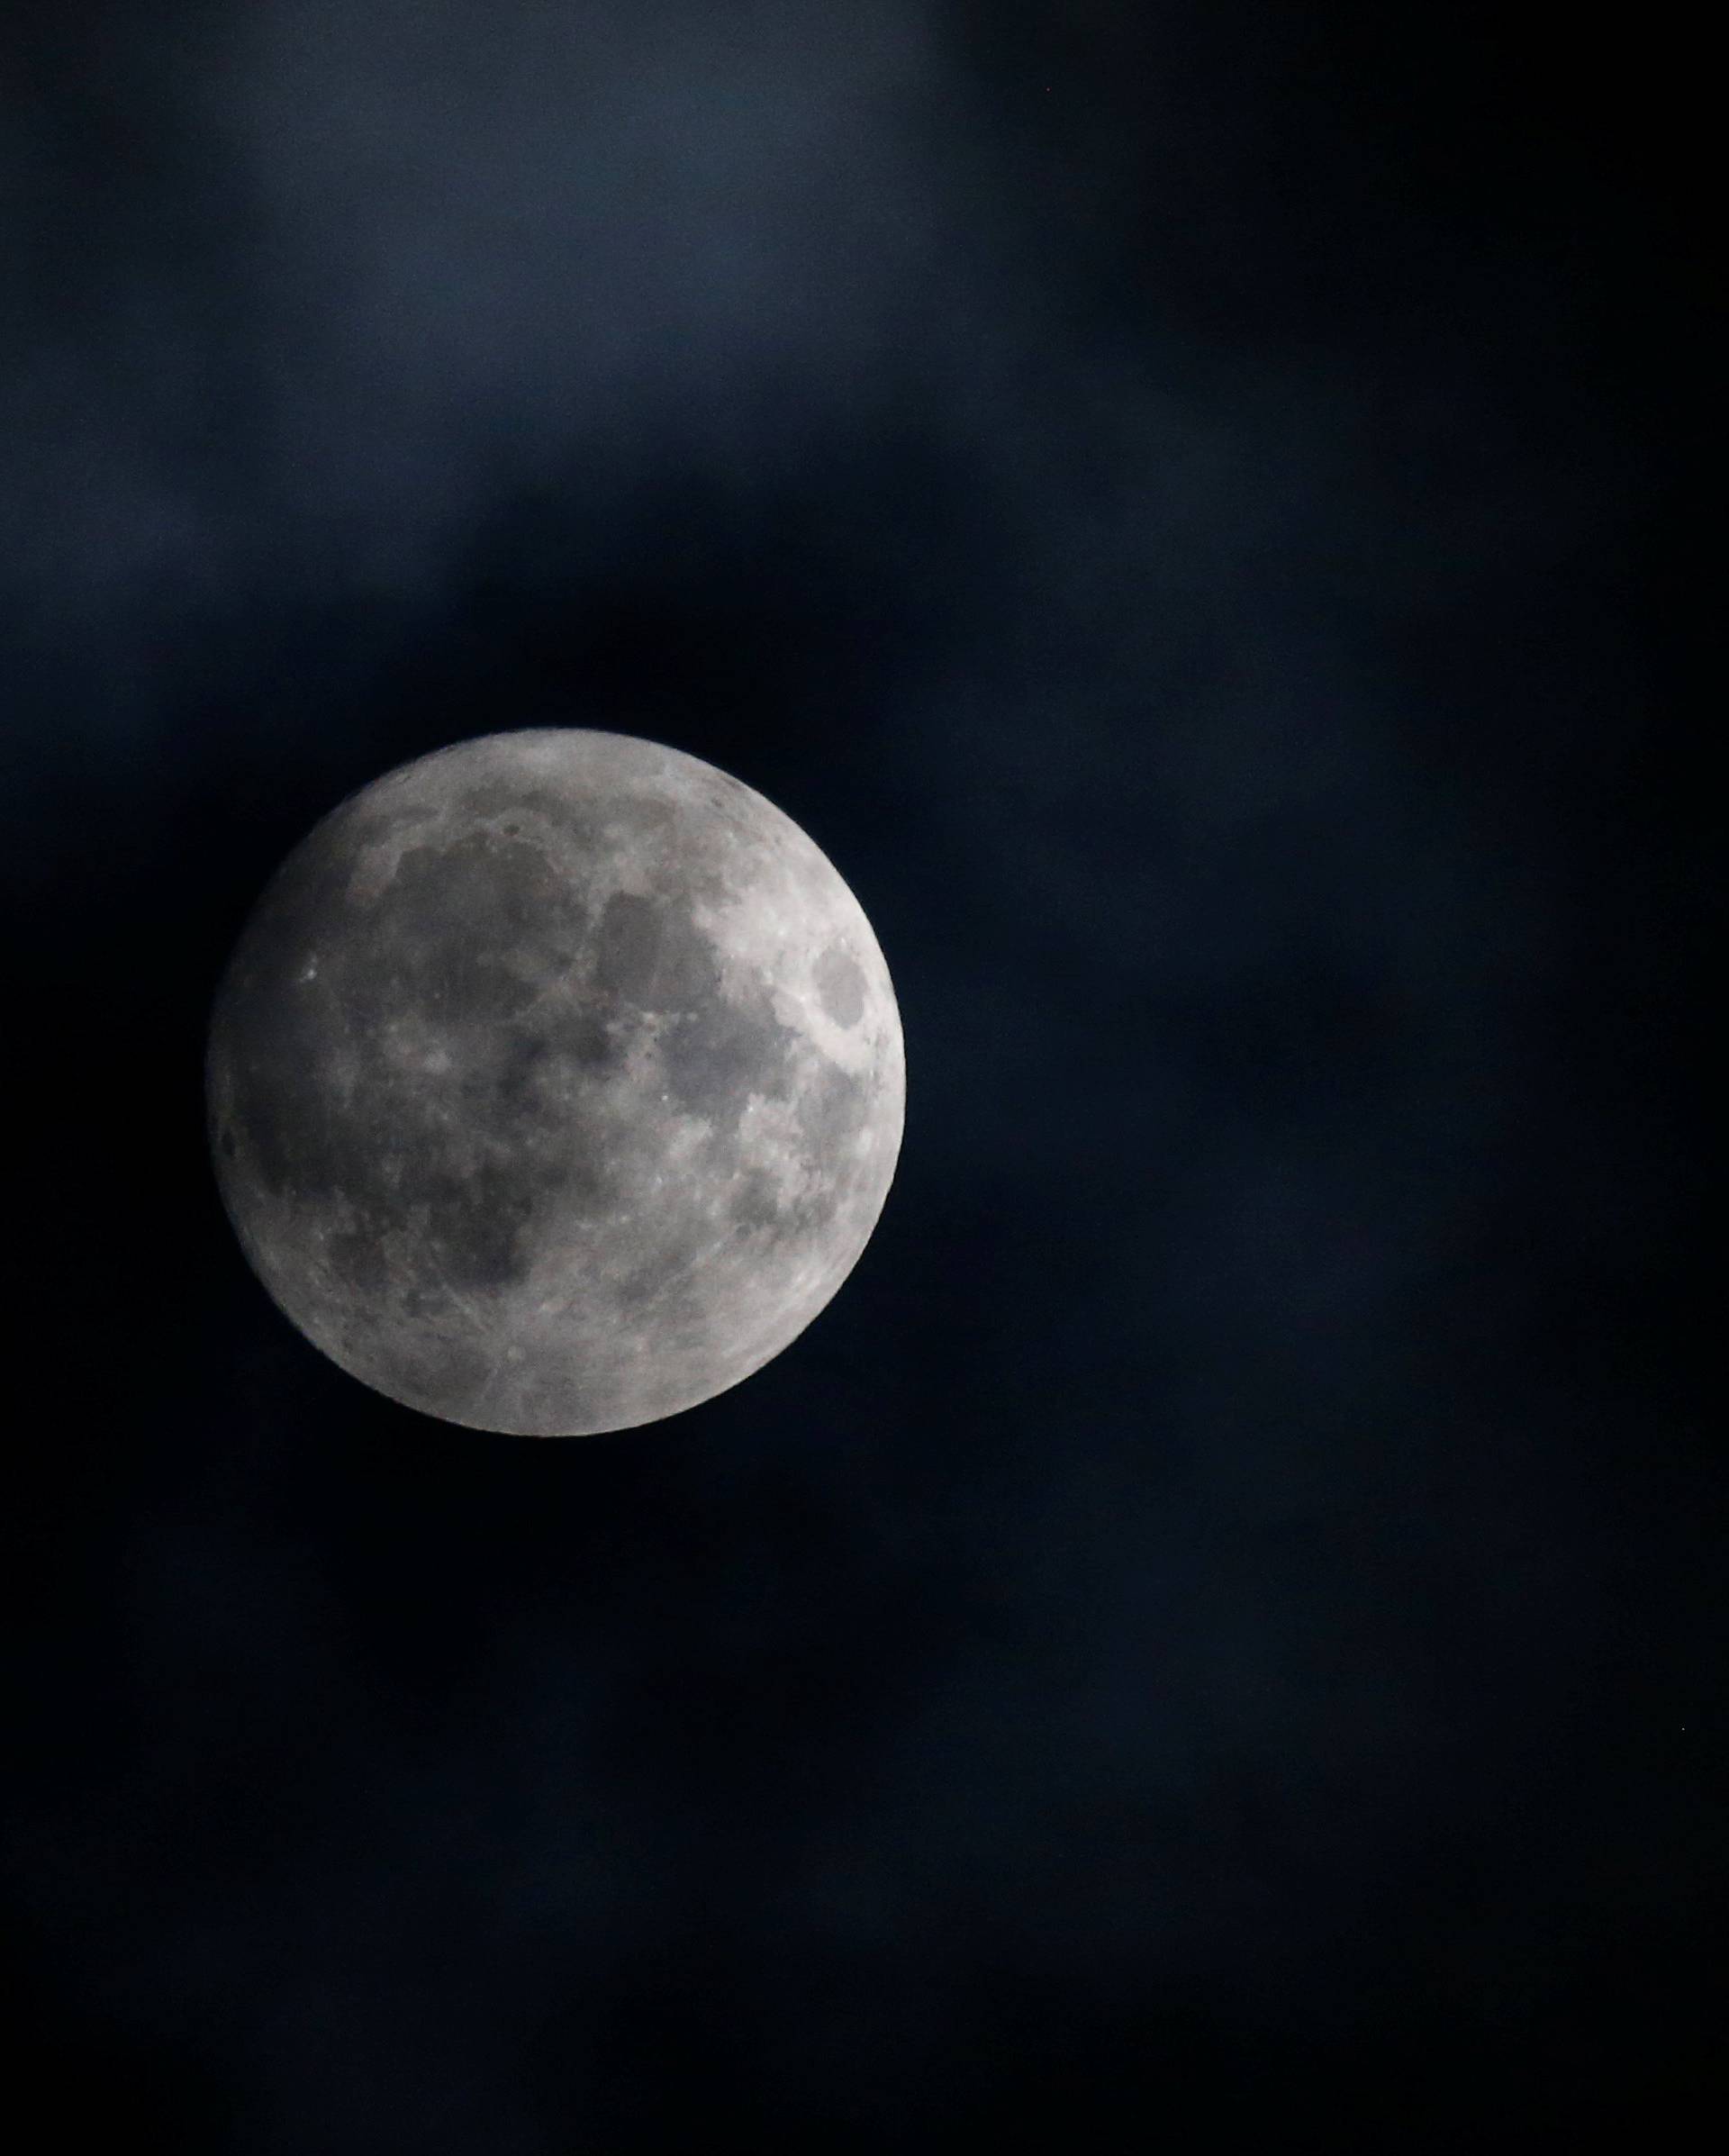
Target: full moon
556,1083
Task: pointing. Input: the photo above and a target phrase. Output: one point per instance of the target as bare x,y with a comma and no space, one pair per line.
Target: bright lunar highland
556,1082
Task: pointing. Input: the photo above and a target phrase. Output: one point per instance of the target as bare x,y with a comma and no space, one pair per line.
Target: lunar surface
556,1083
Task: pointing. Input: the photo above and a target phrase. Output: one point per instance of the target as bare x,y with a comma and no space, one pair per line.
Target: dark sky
1216,1637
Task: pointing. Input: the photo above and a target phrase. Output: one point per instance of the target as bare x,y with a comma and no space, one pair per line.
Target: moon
556,1083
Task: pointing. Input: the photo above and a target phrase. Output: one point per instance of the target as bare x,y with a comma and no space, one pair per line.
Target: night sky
1216,1637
